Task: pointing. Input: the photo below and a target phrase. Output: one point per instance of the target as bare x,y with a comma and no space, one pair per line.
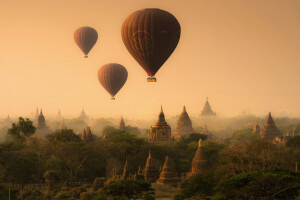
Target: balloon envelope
112,77
151,36
85,37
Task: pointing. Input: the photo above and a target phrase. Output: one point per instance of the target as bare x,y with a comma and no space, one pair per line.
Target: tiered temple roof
122,124
270,131
256,129
150,172
167,175
161,131
199,162
207,111
41,120
83,116
184,124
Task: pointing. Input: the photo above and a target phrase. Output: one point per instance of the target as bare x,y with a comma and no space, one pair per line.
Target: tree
129,188
202,185
293,142
64,135
22,130
261,185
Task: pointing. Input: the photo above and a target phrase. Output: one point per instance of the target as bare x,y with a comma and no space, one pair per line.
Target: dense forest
63,166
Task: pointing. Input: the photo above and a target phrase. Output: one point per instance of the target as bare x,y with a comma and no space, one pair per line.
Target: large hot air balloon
85,37
151,35
112,77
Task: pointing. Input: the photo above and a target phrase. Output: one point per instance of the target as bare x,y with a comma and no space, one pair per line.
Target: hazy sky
242,54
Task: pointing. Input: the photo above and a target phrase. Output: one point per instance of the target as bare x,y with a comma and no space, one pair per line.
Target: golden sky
242,54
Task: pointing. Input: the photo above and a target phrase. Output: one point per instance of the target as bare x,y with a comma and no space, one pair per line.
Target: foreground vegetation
62,166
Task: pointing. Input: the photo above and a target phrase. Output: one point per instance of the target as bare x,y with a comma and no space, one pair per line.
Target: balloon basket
85,56
113,98
151,79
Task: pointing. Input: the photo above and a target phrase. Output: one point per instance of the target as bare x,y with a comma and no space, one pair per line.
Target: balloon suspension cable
151,79
113,98
86,56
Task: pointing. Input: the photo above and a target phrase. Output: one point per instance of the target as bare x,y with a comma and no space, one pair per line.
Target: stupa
167,175
199,162
270,131
207,111
184,125
121,124
256,128
150,172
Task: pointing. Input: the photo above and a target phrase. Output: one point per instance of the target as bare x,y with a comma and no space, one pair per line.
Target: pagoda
161,131
150,172
184,125
167,175
59,115
270,131
87,135
207,111
7,121
83,116
42,129
121,124
256,128
199,162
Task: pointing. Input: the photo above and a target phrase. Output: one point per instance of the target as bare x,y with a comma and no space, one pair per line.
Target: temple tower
42,129
270,131
199,162
87,135
59,115
41,120
167,175
83,116
184,125
161,131
207,111
256,128
150,172
121,124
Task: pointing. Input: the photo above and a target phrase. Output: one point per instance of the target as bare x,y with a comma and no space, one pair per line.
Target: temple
207,111
42,129
285,138
7,121
121,124
256,128
184,125
83,116
167,174
161,131
199,162
59,115
87,135
270,131
150,171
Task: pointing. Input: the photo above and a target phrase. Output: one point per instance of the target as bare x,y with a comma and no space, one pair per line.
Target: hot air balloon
112,77
151,35
85,37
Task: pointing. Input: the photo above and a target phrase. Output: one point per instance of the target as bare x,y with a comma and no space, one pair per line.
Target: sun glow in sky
243,55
